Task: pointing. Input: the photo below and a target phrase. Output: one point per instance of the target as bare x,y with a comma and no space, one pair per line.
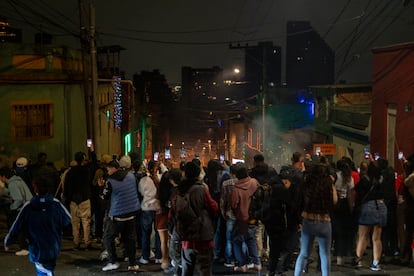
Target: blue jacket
122,190
43,218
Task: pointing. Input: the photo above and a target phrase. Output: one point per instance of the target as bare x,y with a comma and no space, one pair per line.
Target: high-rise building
309,59
263,64
200,85
9,34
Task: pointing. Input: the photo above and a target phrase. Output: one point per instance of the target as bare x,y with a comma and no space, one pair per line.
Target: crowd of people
187,218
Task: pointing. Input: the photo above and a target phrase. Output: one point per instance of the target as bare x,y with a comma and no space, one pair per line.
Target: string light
117,86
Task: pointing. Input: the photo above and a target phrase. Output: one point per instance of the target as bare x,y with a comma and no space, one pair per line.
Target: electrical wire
16,5
372,40
341,12
353,39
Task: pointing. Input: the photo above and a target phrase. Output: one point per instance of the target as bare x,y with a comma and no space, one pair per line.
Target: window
31,120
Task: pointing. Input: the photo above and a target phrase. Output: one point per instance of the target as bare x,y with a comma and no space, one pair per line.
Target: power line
336,19
23,7
200,43
372,40
353,39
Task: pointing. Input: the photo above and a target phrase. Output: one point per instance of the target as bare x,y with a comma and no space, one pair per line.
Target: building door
391,118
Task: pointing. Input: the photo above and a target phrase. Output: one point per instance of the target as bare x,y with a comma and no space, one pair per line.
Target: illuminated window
31,121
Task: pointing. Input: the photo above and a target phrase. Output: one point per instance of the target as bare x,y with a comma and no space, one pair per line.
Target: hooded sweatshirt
241,197
148,191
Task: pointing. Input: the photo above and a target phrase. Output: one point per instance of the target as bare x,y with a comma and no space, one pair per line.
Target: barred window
31,120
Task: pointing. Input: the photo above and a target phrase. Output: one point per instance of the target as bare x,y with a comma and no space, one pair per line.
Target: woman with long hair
319,196
372,216
342,220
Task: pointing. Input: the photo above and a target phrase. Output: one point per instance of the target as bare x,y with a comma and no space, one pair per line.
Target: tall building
154,100
202,104
9,34
200,85
309,59
263,64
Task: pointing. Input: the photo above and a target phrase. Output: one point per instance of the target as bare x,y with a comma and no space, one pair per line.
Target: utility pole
94,81
84,38
264,92
90,74
263,87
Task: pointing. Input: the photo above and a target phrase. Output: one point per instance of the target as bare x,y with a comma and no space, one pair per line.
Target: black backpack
259,208
188,222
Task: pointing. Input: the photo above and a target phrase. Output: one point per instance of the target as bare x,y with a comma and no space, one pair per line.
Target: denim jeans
229,244
147,224
322,230
219,242
244,233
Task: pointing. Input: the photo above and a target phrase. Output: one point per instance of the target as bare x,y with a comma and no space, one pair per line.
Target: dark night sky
167,35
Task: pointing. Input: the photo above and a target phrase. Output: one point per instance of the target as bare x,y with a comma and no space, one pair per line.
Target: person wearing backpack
263,173
244,231
193,208
276,222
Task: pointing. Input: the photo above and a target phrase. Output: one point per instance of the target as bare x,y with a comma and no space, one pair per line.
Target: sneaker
170,270
133,267
229,264
126,259
375,267
242,268
158,261
143,261
110,266
250,266
357,262
22,252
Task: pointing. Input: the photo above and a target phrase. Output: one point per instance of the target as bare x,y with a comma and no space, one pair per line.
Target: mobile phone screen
366,153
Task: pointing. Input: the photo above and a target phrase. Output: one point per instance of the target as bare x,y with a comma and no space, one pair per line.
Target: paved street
84,262
87,263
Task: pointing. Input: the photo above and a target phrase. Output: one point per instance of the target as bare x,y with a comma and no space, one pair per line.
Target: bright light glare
236,70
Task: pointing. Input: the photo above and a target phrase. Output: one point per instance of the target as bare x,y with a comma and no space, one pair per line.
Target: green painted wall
69,125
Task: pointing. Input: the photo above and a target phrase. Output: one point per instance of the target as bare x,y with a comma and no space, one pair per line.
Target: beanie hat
125,162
